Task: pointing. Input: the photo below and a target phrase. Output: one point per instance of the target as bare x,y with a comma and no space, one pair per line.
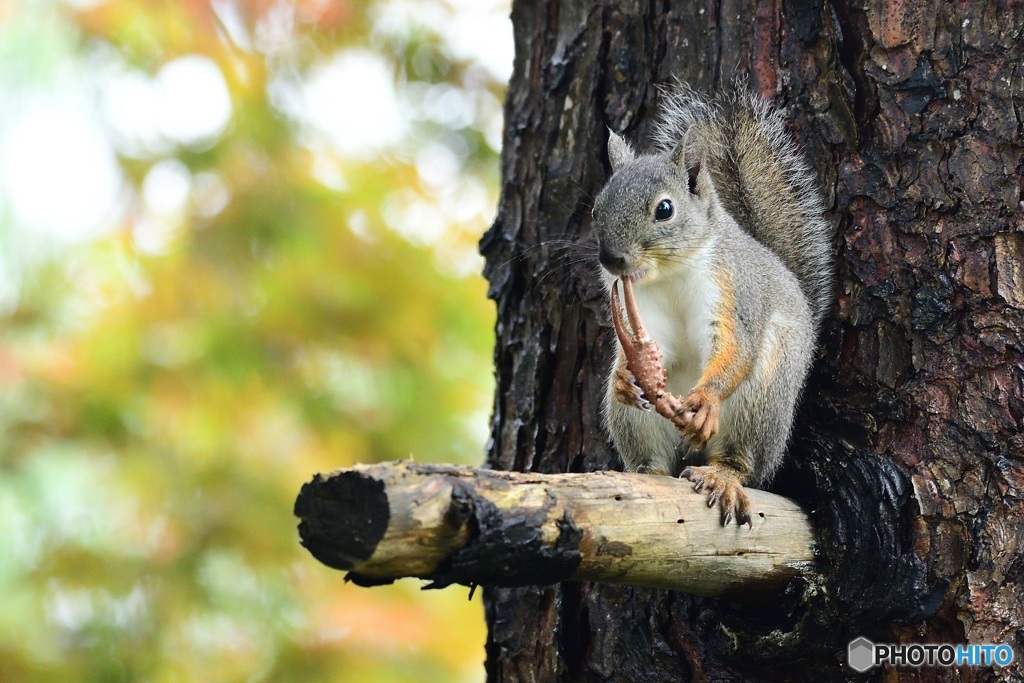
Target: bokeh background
237,247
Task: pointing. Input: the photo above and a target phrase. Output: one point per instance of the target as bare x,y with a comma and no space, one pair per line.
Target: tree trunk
907,448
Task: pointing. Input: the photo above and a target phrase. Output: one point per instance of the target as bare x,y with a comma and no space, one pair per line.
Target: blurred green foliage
165,391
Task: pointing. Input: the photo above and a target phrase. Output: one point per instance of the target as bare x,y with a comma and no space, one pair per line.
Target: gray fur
764,182
755,223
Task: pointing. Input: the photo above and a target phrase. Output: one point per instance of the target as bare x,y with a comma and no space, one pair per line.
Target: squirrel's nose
615,263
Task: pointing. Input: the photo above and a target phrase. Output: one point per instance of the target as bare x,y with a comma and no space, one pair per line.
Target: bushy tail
761,178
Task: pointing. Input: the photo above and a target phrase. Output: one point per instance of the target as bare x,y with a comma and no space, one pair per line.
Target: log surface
470,526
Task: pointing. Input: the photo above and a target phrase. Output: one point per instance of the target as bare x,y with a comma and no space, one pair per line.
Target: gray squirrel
720,231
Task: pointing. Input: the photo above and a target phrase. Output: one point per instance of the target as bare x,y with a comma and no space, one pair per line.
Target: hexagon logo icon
861,654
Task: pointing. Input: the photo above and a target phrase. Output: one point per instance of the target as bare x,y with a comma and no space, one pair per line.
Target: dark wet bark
908,447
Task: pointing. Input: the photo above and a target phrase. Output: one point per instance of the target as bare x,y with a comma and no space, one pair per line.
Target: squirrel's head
654,210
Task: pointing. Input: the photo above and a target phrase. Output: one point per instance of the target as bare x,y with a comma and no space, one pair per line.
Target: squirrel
720,230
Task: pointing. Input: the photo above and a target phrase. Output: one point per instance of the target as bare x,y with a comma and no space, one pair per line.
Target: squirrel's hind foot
725,487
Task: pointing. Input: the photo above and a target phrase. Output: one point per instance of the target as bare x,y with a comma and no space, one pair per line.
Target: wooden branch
471,526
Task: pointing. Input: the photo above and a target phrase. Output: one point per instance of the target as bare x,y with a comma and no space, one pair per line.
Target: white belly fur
677,310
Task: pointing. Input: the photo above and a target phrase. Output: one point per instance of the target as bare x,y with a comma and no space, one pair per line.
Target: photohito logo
862,654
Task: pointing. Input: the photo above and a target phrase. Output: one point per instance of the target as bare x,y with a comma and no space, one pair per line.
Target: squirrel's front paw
626,389
697,419
725,486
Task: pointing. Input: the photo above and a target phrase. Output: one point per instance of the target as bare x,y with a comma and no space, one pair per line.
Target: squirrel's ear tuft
701,180
619,151
692,174
678,154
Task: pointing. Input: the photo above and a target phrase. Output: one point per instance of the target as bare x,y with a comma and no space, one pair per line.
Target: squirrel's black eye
663,211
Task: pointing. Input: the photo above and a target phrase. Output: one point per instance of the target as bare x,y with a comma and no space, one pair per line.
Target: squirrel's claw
697,417
725,488
627,391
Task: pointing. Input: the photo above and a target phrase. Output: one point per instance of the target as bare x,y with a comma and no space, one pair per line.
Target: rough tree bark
908,446
450,524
